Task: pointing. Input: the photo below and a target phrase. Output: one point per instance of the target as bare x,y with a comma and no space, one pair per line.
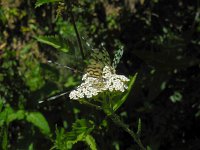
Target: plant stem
115,118
69,5
75,28
77,35
90,104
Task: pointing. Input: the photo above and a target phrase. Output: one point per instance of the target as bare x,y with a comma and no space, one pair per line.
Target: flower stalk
116,119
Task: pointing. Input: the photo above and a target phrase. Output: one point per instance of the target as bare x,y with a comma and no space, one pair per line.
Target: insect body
97,61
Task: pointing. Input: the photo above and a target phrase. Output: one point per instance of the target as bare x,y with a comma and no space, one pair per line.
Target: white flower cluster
92,86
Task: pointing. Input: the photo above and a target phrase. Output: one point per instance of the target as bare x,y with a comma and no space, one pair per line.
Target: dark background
161,42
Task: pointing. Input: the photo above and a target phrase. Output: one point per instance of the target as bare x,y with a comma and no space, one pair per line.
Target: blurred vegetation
161,42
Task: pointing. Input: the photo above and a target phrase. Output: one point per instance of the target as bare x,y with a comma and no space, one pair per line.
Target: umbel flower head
92,86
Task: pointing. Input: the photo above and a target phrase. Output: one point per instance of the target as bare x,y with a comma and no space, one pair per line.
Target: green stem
75,28
115,118
90,104
78,36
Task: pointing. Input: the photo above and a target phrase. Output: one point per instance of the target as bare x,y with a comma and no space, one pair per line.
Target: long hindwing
117,56
97,61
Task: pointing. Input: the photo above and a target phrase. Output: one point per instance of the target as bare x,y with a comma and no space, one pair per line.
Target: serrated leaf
91,142
54,41
79,130
37,119
123,99
42,2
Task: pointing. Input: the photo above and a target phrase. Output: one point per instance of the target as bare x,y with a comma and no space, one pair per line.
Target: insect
96,62
99,59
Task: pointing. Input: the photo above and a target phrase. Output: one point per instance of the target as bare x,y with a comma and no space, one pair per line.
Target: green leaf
3,18
55,41
123,99
5,139
42,2
81,130
30,146
5,113
1,104
91,142
39,121
19,115
148,148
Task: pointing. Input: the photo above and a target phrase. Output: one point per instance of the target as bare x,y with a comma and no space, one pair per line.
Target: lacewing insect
97,60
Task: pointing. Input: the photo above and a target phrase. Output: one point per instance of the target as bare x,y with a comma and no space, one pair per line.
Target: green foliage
42,2
91,142
37,119
81,130
176,97
120,101
31,147
55,41
149,148
5,139
8,115
161,44
2,15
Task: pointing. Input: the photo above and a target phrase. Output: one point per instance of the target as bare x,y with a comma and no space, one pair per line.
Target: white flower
93,86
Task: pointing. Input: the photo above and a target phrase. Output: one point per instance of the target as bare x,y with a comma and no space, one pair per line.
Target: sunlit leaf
30,147
4,114
16,116
91,142
39,121
54,41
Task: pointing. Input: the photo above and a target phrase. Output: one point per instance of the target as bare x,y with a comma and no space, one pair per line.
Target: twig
115,118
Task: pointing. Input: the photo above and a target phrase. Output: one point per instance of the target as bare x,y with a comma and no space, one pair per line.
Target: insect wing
117,57
98,60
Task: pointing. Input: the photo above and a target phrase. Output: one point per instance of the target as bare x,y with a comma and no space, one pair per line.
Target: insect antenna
64,93
54,97
63,66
